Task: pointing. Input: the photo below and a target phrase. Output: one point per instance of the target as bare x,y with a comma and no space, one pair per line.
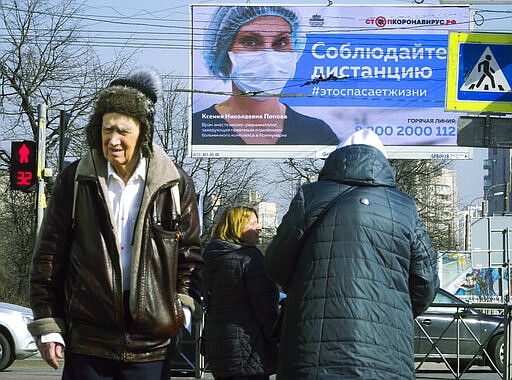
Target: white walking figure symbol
487,71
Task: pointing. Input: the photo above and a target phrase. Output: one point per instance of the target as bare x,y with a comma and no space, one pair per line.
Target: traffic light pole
41,163
63,141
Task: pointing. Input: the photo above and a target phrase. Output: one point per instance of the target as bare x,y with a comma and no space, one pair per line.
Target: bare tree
413,176
17,223
172,130
295,172
44,59
420,179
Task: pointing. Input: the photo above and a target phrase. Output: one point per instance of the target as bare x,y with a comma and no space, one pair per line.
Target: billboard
271,81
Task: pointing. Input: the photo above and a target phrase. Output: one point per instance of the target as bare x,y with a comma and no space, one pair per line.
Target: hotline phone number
410,130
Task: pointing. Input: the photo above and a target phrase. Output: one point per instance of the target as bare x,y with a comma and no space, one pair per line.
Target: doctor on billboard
256,49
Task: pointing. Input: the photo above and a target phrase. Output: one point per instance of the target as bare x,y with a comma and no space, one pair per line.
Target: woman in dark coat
355,285
241,302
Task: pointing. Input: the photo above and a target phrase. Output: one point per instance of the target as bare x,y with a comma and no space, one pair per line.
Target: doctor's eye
250,42
282,42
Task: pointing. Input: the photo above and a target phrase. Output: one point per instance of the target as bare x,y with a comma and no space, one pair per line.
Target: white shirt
125,202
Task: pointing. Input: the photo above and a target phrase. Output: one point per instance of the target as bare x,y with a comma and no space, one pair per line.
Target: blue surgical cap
224,25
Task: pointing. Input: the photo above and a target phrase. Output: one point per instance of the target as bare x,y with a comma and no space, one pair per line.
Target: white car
15,340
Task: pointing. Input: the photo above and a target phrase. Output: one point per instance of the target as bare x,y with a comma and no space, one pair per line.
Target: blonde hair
232,222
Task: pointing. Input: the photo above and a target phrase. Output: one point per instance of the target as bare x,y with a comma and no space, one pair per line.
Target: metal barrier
200,363
189,360
459,321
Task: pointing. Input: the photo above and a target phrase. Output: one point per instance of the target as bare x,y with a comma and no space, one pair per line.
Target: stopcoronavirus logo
380,21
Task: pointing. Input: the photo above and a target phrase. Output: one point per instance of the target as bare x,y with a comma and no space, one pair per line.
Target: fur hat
134,95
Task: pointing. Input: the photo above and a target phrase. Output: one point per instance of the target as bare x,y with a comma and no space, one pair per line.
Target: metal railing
460,317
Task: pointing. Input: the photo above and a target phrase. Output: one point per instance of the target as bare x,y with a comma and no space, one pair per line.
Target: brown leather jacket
76,281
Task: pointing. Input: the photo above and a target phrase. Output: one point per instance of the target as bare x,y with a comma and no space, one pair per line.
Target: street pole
41,163
62,130
506,200
467,238
486,197
63,141
468,221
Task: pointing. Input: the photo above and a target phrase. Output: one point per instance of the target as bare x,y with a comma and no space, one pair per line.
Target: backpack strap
75,189
322,213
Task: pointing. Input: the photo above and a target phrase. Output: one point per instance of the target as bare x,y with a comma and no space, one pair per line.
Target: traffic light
24,165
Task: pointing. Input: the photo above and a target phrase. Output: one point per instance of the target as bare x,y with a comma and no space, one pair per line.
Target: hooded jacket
76,279
241,304
355,285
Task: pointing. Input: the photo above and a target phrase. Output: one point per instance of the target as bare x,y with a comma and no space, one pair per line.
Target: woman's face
264,32
251,231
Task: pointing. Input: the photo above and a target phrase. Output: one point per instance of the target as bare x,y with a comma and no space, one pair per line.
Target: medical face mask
262,72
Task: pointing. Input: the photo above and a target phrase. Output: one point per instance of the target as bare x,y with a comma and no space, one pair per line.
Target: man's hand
50,352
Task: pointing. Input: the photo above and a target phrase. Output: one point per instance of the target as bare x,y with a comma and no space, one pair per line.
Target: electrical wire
143,30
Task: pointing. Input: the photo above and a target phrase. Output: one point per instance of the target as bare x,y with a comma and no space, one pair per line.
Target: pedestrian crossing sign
479,74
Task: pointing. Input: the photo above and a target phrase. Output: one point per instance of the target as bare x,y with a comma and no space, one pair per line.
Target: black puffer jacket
363,274
241,309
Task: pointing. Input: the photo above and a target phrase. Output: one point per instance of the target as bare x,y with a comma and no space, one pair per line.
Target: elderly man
116,264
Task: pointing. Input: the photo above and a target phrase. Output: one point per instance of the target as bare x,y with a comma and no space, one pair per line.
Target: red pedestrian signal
23,165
